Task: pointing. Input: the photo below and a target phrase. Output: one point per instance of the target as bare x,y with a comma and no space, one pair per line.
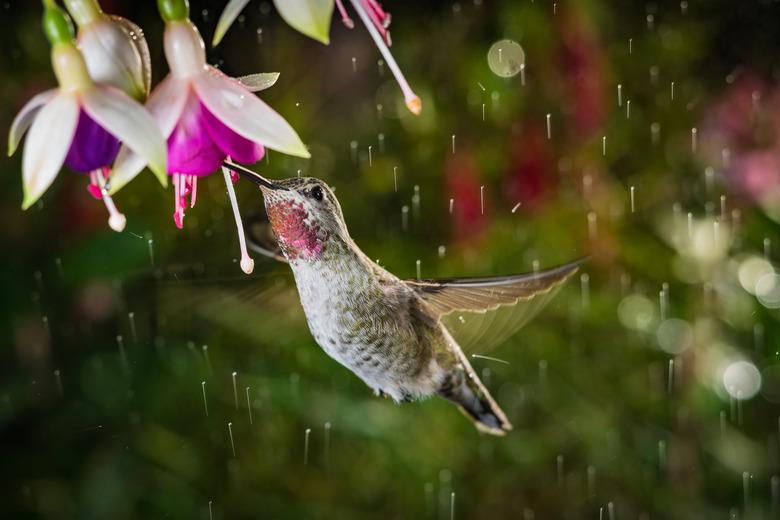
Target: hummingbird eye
316,193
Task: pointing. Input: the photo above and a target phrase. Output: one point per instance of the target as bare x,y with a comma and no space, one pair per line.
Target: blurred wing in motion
260,236
482,312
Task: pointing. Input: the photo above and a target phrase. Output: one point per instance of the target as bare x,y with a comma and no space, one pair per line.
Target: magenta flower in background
741,132
80,124
206,117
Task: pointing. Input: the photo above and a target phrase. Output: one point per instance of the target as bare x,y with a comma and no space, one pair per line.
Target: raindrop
767,248
205,402
628,109
354,64
326,454
452,506
620,95
232,443
746,490
633,201
395,178
58,263
670,377
442,251
592,226
559,465
516,206
549,127
353,151
694,131
307,434
133,333
630,45
58,381
585,290
453,144
207,359
405,218
370,160
235,389
249,405
604,146
483,111
661,455
381,139
655,133
122,354
672,90
381,66
452,203
417,264
482,200
150,244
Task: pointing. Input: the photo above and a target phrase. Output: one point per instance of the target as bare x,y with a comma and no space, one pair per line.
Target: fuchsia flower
81,124
313,17
206,118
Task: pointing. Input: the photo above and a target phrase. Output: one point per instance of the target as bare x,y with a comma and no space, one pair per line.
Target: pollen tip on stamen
414,104
117,222
247,265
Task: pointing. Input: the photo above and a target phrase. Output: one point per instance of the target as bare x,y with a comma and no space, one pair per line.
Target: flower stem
412,100
247,264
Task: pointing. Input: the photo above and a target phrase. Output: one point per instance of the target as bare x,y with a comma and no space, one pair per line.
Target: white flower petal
47,145
246,114
139,42
129,122
310,17
166,105
226,19
25,118
259,81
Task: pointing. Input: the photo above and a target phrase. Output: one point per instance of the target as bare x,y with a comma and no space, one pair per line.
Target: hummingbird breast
370,322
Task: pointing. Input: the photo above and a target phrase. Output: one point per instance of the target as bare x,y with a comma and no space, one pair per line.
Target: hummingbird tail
476,403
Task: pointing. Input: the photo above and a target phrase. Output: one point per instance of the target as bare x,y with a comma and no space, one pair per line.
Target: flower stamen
345,19
412,100
116,220
247,264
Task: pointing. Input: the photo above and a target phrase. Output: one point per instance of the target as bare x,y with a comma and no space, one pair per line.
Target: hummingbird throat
298,235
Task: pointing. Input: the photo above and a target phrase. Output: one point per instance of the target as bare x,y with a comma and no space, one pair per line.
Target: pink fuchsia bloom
113,47
206,117
80,123
313,18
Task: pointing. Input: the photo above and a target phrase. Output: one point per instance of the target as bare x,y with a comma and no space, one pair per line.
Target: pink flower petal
191,150
233,145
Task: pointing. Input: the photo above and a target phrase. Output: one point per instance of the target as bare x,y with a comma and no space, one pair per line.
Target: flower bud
114,48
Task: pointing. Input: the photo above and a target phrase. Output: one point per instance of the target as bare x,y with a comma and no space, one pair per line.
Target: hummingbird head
304,213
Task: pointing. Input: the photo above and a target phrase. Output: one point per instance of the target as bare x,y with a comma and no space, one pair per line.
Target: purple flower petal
191,150
238,148
92,146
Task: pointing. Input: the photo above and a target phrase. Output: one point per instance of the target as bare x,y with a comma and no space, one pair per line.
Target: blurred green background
649,388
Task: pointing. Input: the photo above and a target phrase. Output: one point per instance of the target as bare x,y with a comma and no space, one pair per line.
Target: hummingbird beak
253,176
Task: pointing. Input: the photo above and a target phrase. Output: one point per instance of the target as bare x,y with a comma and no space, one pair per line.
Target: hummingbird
386,330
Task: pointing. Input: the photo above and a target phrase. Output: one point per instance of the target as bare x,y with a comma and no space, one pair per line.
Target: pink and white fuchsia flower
313,18
80,124
206,117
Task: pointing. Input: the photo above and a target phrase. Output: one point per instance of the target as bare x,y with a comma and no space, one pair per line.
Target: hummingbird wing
260,237
486,311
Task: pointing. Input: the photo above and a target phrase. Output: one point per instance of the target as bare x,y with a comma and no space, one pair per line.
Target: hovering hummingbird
386,330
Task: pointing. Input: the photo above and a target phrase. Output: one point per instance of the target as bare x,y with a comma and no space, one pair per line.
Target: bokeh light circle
750,270
768,290
742,380
674,336
636,312
506,58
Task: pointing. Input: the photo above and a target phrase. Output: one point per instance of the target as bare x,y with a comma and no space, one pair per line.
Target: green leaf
310,17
